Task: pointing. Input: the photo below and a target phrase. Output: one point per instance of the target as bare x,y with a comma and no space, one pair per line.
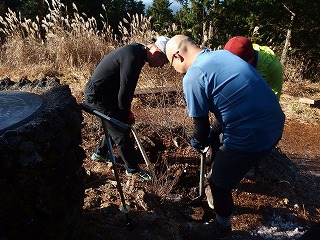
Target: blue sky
174,6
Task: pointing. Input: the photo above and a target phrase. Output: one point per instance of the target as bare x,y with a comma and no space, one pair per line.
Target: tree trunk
287,43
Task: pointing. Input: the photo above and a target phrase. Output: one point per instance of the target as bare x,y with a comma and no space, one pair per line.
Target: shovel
198,199
143,152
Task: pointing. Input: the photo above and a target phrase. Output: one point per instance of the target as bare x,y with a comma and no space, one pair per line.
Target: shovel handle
91,110
143,152
202,172
201,195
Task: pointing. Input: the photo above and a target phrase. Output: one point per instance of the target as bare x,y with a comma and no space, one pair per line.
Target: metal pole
91,110
143,152
124,208
202,173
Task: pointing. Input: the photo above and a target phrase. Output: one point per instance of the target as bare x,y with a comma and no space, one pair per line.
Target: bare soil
161,209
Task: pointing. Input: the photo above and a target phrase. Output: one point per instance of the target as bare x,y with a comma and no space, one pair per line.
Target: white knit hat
161,43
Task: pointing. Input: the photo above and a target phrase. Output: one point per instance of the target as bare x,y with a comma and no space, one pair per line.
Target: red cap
240,46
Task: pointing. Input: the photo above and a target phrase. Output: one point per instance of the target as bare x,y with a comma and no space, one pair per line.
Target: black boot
221,232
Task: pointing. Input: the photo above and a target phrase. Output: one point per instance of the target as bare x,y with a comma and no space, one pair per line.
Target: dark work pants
119,136
228,168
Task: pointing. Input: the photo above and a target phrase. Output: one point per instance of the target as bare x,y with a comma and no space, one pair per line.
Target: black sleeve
201,128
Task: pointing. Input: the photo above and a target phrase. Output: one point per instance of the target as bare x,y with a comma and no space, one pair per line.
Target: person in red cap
110,91
261,58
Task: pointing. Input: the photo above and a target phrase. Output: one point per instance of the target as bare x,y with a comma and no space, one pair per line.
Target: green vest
269,66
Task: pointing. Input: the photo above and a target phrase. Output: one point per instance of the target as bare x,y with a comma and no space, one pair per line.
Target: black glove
214,136
199,146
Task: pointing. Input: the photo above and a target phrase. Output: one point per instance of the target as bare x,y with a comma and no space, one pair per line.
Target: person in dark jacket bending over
110,91
250,114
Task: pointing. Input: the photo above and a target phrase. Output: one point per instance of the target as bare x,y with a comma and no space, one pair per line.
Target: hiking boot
210,231
141,174
221,232
101,157
209,197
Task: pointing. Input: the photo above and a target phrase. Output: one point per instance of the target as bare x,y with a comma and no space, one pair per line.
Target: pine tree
162,16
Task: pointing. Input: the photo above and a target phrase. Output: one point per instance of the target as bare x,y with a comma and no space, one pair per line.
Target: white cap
161,43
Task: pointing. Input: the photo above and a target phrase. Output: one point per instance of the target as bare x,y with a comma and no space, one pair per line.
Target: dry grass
70,46
293,109
166,181
296,87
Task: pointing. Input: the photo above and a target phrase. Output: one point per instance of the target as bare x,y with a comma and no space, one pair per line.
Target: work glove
214,138
199,146
131,119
